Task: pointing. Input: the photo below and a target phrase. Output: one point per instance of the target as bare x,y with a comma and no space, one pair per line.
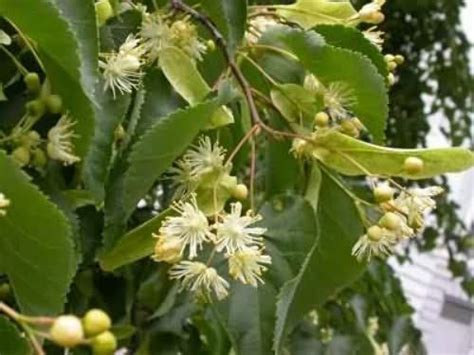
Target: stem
252,175
260,69
18,64
28,44
275,49
239,146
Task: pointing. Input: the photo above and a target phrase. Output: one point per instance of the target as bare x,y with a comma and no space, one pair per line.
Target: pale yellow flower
60,146
247,265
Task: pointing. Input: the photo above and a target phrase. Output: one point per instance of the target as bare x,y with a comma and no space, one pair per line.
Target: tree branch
229,58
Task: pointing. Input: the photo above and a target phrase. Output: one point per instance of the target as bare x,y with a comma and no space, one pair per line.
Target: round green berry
95,322
240,192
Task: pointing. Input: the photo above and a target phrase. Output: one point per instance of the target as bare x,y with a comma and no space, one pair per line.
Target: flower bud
35,108
413,165
240,192
321,119
391,79
390,221
95,322
32,82
67,331
21,155
399,59
374,233
119,133
389,58
54,103
383,193
211,45
167,249
104,344
104,11
39,158
392,66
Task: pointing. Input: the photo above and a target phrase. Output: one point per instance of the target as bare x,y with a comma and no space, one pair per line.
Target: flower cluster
403,218
123,69
4,203
189,231
202,169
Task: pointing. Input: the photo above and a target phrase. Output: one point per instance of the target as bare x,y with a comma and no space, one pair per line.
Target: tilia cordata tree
197,177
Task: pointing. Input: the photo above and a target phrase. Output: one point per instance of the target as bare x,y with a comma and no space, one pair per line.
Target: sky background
468,23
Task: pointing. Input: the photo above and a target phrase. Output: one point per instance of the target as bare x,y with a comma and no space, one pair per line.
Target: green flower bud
240,192
39,158
104,344
383,193
95,322
32,82
321,119
67,331
392,66
54,103
211,45
390,221
413,165
21,155
104,11
35,108
374,233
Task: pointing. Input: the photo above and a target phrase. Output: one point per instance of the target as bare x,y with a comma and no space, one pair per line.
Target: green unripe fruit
67,331
35,108
54,103
321,119
104,11
21,155
95,322
413,165
375,233
383,193
390,221
104,344
240,192
5,291
32,82
39,158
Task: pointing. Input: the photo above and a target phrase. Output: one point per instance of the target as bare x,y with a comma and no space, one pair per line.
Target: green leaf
2,94
11,342
249,313
37,251
183,75
230,17
62,57
154,153
279,158
400,333
149,158
296,104
135,245
348,156
329,265
108,111
335,65
309,13
352,39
